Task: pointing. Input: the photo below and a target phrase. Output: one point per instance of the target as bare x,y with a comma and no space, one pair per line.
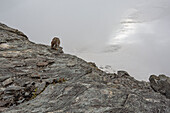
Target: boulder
160,84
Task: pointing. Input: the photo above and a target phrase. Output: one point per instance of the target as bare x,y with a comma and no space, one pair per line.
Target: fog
131,35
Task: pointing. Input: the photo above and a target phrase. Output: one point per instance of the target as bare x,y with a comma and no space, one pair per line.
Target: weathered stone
167,87
4,46
8,98
160,84
51,61
107,69
7,82
13,88
49,81
35,75
92,64
18,64
27,93
71,63
21,81
122,73
2,89
40,87
60,50
154,82
2,109
21,101
2,78
42,64
21,74
163,77
11,54
1,92
3,103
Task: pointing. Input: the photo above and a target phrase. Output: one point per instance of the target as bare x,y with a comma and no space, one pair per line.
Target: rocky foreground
37,79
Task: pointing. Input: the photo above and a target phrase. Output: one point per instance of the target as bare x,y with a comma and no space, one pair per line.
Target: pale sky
72,20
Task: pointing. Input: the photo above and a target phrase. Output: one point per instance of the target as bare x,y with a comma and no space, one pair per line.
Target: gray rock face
122,73
46,80
7,82
2,78
161,84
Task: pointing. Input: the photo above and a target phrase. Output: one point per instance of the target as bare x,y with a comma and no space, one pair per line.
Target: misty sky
131,35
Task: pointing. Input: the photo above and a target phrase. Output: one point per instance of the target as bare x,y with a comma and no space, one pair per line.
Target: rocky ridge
37,79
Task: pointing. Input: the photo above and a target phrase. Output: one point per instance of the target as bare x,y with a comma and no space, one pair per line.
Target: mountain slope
34,78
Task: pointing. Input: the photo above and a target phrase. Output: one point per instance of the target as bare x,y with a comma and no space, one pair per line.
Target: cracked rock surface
37,79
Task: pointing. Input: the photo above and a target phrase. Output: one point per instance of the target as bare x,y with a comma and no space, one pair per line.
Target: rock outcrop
160,84
37,79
